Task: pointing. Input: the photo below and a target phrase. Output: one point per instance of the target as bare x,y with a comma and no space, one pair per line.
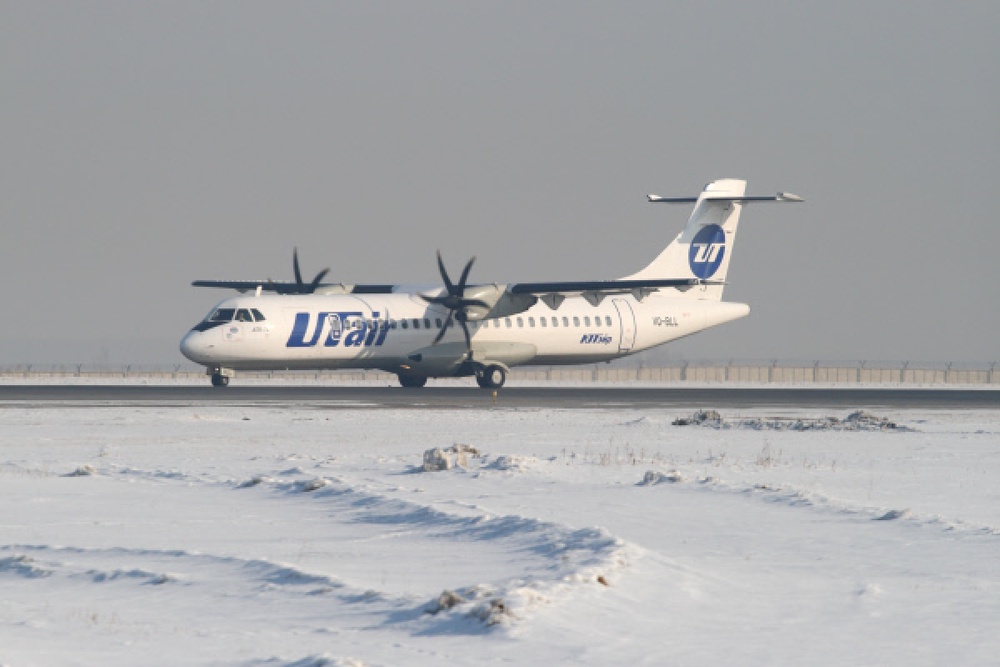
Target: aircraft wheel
220,380
412,381
492,377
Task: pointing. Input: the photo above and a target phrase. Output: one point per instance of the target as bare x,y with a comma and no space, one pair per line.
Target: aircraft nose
193,346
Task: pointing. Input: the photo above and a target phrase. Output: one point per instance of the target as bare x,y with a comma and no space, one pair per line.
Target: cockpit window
257,315
222,315
243,315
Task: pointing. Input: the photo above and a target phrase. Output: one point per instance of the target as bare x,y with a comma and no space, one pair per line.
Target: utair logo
595,339
351,328
707,250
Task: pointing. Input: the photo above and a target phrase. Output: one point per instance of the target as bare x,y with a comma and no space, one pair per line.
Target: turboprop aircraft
480,329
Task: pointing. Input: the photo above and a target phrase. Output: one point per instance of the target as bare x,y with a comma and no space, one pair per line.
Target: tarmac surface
589,398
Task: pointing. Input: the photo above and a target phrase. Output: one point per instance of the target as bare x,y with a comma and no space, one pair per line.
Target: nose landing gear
220,376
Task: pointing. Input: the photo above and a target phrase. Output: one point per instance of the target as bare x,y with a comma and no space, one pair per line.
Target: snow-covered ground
264,535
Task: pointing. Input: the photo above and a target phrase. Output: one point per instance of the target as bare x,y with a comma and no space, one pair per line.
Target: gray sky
145,145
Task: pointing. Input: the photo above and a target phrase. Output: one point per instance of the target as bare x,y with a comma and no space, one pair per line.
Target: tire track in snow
791,496
544,560
504,565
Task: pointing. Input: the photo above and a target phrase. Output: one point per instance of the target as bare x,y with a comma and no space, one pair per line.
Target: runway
568,398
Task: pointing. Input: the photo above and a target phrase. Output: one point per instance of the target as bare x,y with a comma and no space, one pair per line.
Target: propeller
455,302
302,287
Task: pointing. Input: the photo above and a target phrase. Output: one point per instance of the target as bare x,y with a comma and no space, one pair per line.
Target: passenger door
626,316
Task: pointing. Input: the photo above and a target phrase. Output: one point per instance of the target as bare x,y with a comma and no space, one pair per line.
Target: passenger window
565,321
427,323
555,321
520,322
542,321
405,324
257,315
608,320
509,323
586,320
223,315
531,321
576,321
438,322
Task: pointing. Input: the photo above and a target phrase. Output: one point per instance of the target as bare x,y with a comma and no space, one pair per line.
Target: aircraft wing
606,286
288,287
594,291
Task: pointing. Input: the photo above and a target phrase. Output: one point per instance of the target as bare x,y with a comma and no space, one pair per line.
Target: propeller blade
468,337
319,277
444,275
436,300
444,329
295,266
465,276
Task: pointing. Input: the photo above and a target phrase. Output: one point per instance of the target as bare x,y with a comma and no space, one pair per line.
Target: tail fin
705,247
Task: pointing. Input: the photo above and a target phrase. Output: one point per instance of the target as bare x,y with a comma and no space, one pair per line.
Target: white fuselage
395,332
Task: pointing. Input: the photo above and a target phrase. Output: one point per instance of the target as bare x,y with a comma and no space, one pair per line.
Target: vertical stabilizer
705,247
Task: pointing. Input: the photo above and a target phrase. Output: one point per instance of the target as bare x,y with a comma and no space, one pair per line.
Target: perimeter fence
679,372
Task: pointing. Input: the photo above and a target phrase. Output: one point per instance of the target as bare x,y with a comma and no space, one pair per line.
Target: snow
310,535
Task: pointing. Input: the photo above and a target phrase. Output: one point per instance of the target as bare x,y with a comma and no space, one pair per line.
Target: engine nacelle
502,303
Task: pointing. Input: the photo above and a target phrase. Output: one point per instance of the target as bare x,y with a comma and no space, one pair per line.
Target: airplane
479,330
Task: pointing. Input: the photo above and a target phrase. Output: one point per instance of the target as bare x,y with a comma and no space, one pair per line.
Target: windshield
222,315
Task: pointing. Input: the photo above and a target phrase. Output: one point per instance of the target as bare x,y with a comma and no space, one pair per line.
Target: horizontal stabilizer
780,197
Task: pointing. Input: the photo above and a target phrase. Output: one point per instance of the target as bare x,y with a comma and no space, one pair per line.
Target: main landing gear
220,380
491,377
412,381
488,377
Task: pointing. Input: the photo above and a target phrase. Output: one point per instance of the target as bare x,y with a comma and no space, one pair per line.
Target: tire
412,381
492,377
220,380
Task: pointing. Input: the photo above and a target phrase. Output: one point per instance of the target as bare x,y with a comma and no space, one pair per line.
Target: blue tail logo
708,248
